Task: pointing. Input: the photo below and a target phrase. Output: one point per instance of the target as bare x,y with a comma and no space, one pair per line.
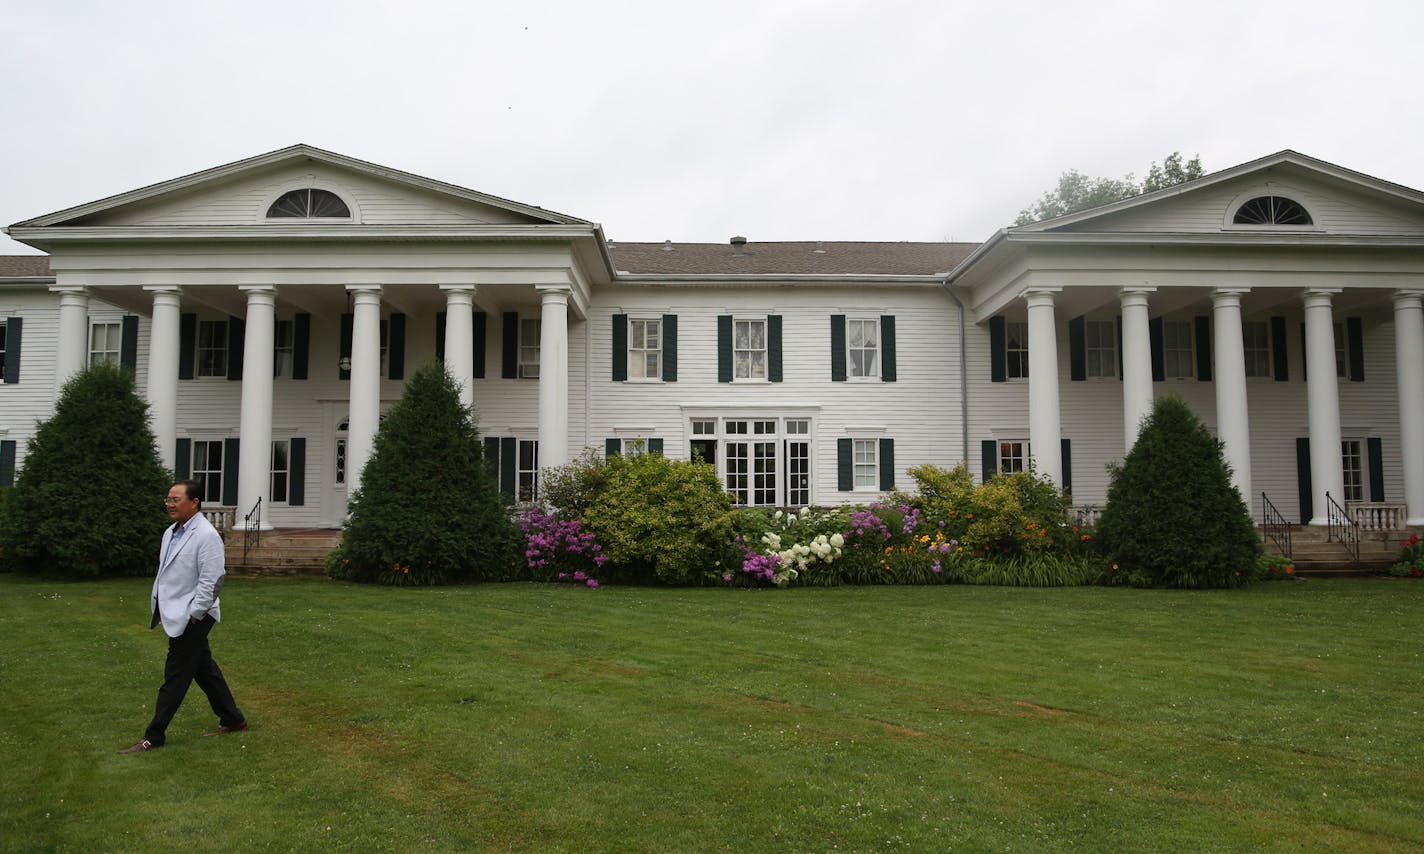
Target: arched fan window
1272,210
308,203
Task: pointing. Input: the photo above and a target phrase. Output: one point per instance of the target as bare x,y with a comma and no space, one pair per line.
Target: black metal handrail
252,528
1341,528
1275,526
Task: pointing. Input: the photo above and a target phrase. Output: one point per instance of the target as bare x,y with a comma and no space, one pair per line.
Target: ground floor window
763,462
281,471
528,471
1352,461
207,468
1013,455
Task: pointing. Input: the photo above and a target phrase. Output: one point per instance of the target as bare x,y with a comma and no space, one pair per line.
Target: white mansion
272,307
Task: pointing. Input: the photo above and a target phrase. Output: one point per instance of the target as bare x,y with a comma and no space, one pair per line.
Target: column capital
1408,298
470,289
362,290
1228,297
554,291
1318,297
1040,296
252,290
1130,297
163,289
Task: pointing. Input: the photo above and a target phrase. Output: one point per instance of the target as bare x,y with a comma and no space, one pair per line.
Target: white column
73,351
1323,403
1136,364
1044,426
254,466
1232,423
163,373
460,339
365,414
553,376
1409,368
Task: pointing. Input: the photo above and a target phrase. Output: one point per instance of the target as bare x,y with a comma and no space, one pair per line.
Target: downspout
963,376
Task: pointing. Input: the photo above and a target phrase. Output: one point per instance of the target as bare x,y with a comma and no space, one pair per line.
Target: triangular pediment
241,193
1338,200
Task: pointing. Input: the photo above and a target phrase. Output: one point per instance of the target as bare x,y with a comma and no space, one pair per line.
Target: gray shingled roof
807,258
24,266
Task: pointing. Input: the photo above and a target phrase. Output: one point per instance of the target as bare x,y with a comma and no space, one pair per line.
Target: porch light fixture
344,363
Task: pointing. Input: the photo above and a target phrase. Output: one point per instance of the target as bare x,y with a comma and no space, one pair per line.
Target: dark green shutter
7,462
481,321
1302,477
612,447
773,348
395,348
231,450
236,344
620,348
1304,355
1355,346
724,348
838,348
1203,332
1067,447
301,346
669,348
440,335
845,465
492,457
887,464
998,350
988,459
297,472
655,446
1280,363
1119,347
887,348
1159,361
183,460
508,462
13,328
509,368
1077,349
128,343
1374,447
347,326
187,345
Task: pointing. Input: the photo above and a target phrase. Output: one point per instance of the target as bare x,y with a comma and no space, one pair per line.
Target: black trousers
190,660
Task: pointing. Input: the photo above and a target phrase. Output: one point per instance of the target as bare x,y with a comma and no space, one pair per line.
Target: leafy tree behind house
428,510
89,500
1173,517
1077,192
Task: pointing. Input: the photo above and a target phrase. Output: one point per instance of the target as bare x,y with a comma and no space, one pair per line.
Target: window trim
273,471
765,350
1010,351
1190,350
224,350
637,355
521,366
265,211
878,350
212,496
117,352
278,349
1269,351
1025,458
1228,217
1111,349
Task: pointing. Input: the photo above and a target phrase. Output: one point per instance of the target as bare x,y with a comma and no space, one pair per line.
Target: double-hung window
212,348
530,330
104,342
1352,460
1100,339
863,347
528,470
281,471
749,349
1013,455
645,349
1177,342
208,467
867,463
1256,343
2,349
1016,349
284,355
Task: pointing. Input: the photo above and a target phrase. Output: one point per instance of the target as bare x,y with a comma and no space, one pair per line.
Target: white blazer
190,576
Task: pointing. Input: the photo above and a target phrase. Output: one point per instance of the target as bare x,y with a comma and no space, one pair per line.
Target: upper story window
531,332
1178,361
1256,344
749,349
1272,210
307,204
212,348
1100,339
644,349
1016,335
863,345
104,342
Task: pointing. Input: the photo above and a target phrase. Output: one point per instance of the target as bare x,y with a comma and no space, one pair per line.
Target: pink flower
593,582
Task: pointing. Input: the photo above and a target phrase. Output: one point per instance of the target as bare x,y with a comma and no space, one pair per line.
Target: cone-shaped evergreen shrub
89,500
1173,518
428,510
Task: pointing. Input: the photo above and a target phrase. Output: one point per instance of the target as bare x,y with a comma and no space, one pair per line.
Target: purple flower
593,582
580,575
727,578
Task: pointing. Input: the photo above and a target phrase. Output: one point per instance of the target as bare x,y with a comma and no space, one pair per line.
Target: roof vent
739,245
820,249
667,245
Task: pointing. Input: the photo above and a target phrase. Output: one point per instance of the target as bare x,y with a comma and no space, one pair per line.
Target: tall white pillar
460,339
73,350
163,359
554,376
1232,423
1044,425
1322,391
365,415
1409,368
1136,364
254,467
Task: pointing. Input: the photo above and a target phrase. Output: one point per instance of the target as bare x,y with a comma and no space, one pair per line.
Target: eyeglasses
171,500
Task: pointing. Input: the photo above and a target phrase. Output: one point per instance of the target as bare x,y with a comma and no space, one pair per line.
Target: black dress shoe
224,729
142,747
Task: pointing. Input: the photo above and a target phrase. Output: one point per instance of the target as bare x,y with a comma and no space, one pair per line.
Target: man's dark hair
192,488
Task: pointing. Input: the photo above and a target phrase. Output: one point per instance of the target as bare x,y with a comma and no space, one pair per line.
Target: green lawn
533,717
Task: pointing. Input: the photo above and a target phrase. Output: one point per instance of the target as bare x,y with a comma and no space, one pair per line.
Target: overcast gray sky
778,120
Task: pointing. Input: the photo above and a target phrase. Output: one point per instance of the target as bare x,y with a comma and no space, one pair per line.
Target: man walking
185,600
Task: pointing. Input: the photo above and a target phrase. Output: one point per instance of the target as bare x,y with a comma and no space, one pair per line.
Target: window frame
4,338
1014,455
764,350
1105,365
873,351
110,356
1263,354
638,356
528,361
1180,352
284,349
307,215
204,475
526,478
284,472
1356,487
217,366
1015,357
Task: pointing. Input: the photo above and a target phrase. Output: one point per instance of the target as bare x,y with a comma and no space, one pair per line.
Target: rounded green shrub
428,510
1173,518
89,500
